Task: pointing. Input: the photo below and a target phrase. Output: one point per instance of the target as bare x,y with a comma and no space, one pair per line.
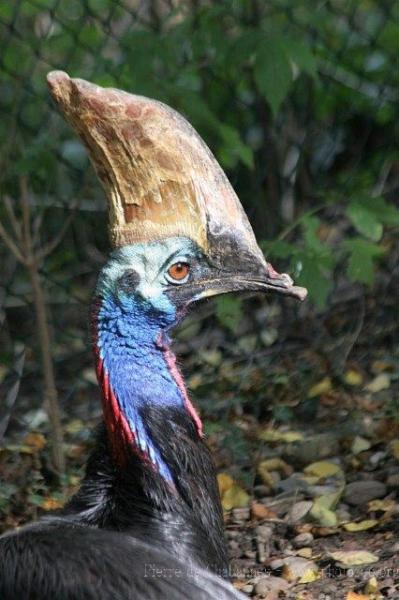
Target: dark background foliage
300,103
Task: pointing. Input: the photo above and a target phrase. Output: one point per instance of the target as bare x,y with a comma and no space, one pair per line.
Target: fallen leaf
352,558
385,505
274,435
224,482
309,576
324,516
381,365
322,469
360,444
394,447
304,552
371,586
353,377
36,441
260,511
51,503
75,426
265,476
361,525
354,596
18,449
276,464
235,497
299,510
322,387
301,570
379,383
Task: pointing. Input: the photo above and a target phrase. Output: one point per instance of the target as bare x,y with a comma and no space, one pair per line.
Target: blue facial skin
134,312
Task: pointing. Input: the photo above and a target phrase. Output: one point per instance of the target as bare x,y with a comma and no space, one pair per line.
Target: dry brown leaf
385,505
355,596
304,552
36,441
352,558
50,503
260,511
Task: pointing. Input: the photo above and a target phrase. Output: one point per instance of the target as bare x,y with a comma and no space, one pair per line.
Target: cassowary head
165,277
179,230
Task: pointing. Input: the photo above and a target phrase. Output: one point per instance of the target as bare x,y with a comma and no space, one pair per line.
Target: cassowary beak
245,270
270,281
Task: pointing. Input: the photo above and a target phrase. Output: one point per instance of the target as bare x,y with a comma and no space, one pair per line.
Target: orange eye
179,271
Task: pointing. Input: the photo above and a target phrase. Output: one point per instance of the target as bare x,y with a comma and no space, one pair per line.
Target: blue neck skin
128,336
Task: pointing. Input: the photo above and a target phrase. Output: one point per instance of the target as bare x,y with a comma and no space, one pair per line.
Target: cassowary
147,521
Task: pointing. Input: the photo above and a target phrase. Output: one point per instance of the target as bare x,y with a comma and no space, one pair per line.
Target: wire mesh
151,47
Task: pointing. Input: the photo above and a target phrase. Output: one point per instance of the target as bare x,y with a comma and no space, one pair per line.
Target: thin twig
51,246
13,219
11,245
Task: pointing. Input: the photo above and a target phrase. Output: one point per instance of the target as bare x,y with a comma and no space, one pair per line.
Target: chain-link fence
298,100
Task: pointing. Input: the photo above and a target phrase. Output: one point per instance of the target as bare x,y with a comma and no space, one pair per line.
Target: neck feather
135,369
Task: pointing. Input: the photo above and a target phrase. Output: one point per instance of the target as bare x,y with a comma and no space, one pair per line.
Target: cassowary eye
178,272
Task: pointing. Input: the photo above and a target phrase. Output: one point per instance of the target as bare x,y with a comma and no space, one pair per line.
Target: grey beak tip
299,292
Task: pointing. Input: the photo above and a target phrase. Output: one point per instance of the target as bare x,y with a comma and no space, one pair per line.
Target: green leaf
273,70
302,57
365,221
234,147
316,279
229,311
362,256
387,213
310,226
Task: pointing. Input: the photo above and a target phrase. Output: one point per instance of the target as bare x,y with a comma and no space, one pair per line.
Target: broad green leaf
302,57
234,147
273,70
314,277
386,212
365,221
362,255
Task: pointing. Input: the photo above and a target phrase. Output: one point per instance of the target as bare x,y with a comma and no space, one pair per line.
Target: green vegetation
299,101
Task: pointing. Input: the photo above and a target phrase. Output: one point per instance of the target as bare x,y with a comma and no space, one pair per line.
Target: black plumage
127,533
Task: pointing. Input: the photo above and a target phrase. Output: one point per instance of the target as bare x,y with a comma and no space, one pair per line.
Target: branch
48,248
11,245
13,219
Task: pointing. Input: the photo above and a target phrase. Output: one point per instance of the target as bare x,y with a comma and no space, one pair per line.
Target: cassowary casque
148,507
